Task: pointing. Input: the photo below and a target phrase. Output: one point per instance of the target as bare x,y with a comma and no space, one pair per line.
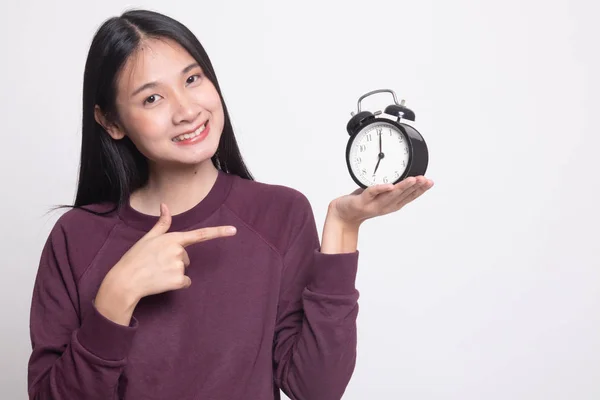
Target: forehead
154,60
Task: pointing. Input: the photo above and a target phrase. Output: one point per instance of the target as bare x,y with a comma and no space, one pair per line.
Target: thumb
163,224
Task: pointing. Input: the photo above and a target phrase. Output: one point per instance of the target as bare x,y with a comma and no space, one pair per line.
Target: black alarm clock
382,147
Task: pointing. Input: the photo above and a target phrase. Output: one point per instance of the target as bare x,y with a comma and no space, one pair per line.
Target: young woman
176,275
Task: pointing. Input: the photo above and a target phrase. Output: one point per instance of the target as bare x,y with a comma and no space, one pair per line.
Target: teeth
190,135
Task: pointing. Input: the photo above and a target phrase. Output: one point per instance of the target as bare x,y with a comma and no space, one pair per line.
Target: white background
488,287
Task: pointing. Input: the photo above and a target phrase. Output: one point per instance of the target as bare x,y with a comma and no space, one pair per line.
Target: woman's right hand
154,264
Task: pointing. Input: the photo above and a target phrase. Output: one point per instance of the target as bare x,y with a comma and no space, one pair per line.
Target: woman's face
162,94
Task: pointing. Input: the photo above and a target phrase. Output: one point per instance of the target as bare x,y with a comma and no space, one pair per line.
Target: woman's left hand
355,208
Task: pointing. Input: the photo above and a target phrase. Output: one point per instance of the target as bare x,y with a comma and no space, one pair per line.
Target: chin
195,160
185,159
204,156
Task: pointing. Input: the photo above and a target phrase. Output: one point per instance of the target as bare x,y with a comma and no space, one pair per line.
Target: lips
197,136
192,134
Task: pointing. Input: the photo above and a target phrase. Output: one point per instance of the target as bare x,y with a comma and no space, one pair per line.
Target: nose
185,110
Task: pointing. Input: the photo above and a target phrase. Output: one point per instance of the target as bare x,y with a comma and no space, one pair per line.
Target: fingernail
231,230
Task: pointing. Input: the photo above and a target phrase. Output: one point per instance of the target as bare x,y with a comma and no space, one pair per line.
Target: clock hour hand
377,166
379,156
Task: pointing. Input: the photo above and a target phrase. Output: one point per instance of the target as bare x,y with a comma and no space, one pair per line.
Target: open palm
380,199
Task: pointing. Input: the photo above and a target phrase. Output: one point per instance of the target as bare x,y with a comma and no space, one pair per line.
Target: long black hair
110,170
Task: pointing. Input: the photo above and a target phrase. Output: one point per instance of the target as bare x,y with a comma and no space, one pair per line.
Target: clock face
379,154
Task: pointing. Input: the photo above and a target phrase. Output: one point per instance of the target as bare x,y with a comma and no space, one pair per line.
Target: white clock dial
364,154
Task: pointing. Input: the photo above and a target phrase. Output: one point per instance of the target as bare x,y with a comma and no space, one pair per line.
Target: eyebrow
150,85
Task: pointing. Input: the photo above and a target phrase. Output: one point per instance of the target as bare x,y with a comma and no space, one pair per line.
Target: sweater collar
211,202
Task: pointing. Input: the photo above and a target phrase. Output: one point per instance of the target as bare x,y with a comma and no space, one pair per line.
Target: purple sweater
266,310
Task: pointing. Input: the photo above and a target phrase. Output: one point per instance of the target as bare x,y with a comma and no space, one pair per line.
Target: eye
192,78
151,99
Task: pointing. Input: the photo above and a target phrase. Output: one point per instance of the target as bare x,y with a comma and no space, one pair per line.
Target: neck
179,188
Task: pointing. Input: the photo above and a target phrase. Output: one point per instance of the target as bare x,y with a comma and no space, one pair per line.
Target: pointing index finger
204,234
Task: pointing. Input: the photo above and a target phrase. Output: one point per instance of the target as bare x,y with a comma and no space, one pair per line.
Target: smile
192,135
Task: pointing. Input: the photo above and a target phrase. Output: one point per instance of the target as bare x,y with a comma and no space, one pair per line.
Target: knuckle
202,234
172,250
179,250
162,222
183,281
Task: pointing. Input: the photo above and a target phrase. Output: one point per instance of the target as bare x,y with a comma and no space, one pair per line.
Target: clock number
391,133
379,131
363,171
396,174
385,179
357,160
369,138
362,148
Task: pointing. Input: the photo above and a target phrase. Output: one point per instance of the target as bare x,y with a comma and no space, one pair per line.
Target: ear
111,128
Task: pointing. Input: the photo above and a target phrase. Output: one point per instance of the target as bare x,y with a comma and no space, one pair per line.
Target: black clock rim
371,122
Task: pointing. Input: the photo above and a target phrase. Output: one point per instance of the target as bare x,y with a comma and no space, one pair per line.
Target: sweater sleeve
315,334
73,357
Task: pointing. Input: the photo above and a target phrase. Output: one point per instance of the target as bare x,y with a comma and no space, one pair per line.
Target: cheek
220,115
147,127
147,131
213,102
